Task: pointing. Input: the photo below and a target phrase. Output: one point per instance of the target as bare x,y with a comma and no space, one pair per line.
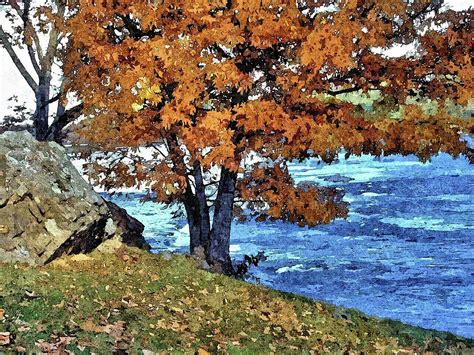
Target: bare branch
346,91
343,91
51,100
32,55
31,52
16,7
28,26
60,122
159,151
52,47
21,68
211,183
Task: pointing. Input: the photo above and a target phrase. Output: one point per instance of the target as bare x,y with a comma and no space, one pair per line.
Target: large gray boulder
47,209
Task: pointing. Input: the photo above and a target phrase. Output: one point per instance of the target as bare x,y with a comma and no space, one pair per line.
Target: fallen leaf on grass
161,324
57,346
23,328
2,313
177,310
30,295
5,338
204,292
129,303
187,301
81,257
60,263
59,305
89,326
115,330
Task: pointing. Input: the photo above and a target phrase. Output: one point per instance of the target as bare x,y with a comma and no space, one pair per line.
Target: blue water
405,252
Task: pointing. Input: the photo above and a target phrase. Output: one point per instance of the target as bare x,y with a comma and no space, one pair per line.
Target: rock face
47,209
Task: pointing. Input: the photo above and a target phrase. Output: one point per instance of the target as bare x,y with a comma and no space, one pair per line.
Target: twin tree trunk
215,240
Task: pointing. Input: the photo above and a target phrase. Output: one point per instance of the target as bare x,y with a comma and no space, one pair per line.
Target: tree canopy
227,92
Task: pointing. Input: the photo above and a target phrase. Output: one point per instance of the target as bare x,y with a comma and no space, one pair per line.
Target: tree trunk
219,254
194,223
198,213
42,108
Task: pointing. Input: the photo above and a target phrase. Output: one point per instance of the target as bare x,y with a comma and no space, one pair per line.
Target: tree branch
346,91
21,68
53,43
55,130
51,100
159,151
28,26
31,51
343,91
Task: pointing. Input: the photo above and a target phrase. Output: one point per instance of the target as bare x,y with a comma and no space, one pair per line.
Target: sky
12,83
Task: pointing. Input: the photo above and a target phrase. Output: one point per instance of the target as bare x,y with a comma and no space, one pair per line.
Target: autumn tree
39,29
227,92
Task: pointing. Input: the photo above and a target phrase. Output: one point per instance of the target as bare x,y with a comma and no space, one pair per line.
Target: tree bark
219,253
42,108
203,208
198,212
194,223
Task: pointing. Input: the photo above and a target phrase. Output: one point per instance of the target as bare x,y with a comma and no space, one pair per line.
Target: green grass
134,301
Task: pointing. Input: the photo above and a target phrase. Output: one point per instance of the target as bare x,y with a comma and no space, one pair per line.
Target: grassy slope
134,301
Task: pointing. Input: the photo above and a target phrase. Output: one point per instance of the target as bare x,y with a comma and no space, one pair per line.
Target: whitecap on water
427,223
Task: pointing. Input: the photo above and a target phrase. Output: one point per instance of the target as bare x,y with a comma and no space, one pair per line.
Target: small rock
110,227
110,246
204,265
166,256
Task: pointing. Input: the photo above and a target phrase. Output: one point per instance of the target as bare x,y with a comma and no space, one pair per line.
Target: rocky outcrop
47,209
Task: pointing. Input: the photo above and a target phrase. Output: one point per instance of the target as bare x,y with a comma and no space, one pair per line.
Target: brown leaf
5,338
89,326
57,346
115,330
23,328
59,305
177,310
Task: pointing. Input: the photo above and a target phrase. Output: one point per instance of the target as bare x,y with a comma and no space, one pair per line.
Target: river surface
405,252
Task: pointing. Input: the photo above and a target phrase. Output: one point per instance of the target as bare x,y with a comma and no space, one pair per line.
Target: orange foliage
210,82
